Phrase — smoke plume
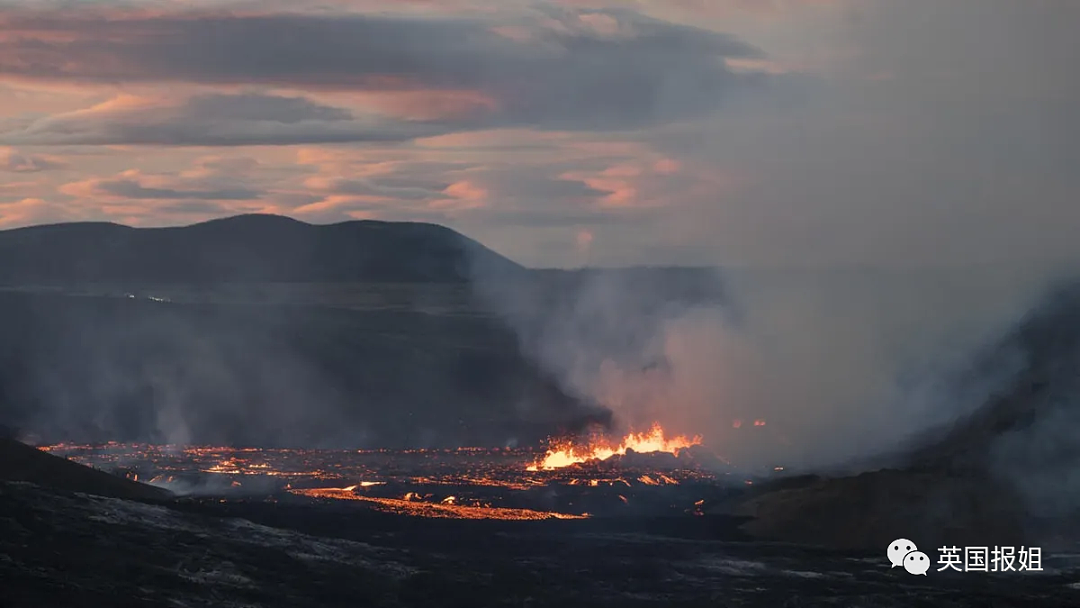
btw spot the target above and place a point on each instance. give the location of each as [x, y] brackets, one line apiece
[841, 366]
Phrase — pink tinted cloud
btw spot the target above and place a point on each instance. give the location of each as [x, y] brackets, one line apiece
[660, 182]
[497, 138]
[14, 161]
[710, 9]
[337, 204]
[30, 211]
[621, 183]
[210, 186]
[196, 118]
[133, 184]
[423, 104]
[418, 69]
[666, 166]
[584, 239]
[534, 176]
[463, 195]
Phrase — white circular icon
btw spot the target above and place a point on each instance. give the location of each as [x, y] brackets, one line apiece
[917, 562]
[898, 549]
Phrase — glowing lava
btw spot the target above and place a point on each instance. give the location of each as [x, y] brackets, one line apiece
[448, 508]
[565, 455]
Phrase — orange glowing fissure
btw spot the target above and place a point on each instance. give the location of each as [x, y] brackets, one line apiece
[564, 455]
[448, 508]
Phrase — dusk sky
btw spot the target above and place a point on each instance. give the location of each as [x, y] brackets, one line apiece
[563, 132]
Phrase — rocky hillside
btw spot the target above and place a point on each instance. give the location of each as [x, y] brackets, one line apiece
[20, 462]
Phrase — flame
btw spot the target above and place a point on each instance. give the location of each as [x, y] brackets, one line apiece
[653, 441]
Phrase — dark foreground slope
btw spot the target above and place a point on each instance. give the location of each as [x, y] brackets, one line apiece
[69, 551]
[20, 462]
[251, 248]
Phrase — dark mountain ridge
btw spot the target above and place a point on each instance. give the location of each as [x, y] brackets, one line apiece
[246, 248]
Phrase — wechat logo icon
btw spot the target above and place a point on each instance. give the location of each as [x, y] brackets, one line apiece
[902, 552]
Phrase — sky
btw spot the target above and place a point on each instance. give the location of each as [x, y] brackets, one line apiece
[561, 133]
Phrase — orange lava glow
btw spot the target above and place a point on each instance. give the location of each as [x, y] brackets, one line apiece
[564, 455]
[412, 504]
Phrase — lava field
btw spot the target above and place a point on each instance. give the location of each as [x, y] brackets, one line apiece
[466, 483]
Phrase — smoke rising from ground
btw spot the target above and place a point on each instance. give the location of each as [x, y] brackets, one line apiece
[842, 366]
[125, 370]
[245, 368]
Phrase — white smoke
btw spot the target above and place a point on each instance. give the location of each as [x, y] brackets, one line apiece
[841, 365]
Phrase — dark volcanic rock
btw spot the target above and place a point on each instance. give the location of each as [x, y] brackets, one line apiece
[702, 457]
[20, 462]
[71, 551]
[662, 461]
[868, 511]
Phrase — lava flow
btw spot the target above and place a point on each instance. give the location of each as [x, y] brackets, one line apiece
[644, 473]
[566, 454]
[415, 505]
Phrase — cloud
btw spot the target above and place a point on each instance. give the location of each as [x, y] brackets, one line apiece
[262, 108]
[957, 148]
[939, 142]
[574, 69]
[126, 188]
[555, 182]
[377, 188]
[210, 187]
[212, 178]
[17, 162]
[27, 211]
[212, 120]
[525, 194]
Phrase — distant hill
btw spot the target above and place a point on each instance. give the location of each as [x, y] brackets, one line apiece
[246, 248]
